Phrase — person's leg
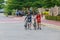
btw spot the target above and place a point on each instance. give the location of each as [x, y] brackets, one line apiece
[26, 25]
[34, 26]
[16, 14]
[40, 26]
[29, 25]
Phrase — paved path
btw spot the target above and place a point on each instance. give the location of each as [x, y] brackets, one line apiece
[16, 31]
[51, 22]
[4, 19]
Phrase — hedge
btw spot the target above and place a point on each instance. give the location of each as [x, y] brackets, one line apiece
[56, 18]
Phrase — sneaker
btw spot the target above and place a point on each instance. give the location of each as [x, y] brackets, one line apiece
[40, 28]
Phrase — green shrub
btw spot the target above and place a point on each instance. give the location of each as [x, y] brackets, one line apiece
[5, 14]
[58, 15]
[56, 18]
[46, 13]
[49, 17]
[7, 10]
[13, 12]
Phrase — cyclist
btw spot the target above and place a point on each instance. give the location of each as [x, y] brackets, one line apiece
[38, 19]
[28, 20]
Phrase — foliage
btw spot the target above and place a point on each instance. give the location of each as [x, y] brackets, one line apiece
[1, 1]
[20, 4]
[1, 4]
[56, 18]
[46, 13]
[58, 15]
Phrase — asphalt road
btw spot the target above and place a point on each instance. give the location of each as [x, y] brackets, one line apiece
[16, 31]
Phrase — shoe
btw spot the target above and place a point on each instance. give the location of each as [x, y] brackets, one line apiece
[40, 28]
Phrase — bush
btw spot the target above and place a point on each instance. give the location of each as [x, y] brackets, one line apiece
[46, 13]
[49, 17]
[58, 15]
[13, 12]
[8, 12]
[56, 18]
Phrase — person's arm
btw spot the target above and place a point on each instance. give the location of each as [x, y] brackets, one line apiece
[25, 17]
[36, 16]
[40, 18]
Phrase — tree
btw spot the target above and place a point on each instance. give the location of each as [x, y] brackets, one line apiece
[1, 4]
[19, 4]
[1, 1]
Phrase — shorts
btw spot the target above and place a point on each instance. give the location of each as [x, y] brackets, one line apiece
[38, 21]
[28, 22]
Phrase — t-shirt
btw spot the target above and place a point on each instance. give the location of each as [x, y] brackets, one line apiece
[38, 18]
[29, 18]
[34, 19]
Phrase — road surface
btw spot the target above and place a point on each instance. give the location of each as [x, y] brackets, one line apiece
[16, 31]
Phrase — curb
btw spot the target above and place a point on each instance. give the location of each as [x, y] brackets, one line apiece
[51, 26]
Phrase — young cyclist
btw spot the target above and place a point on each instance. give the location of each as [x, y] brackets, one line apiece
[34, 22]
[28, 20]
[38, 19]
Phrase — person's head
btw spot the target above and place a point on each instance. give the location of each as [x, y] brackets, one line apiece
[33, 15]
[28, 12]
